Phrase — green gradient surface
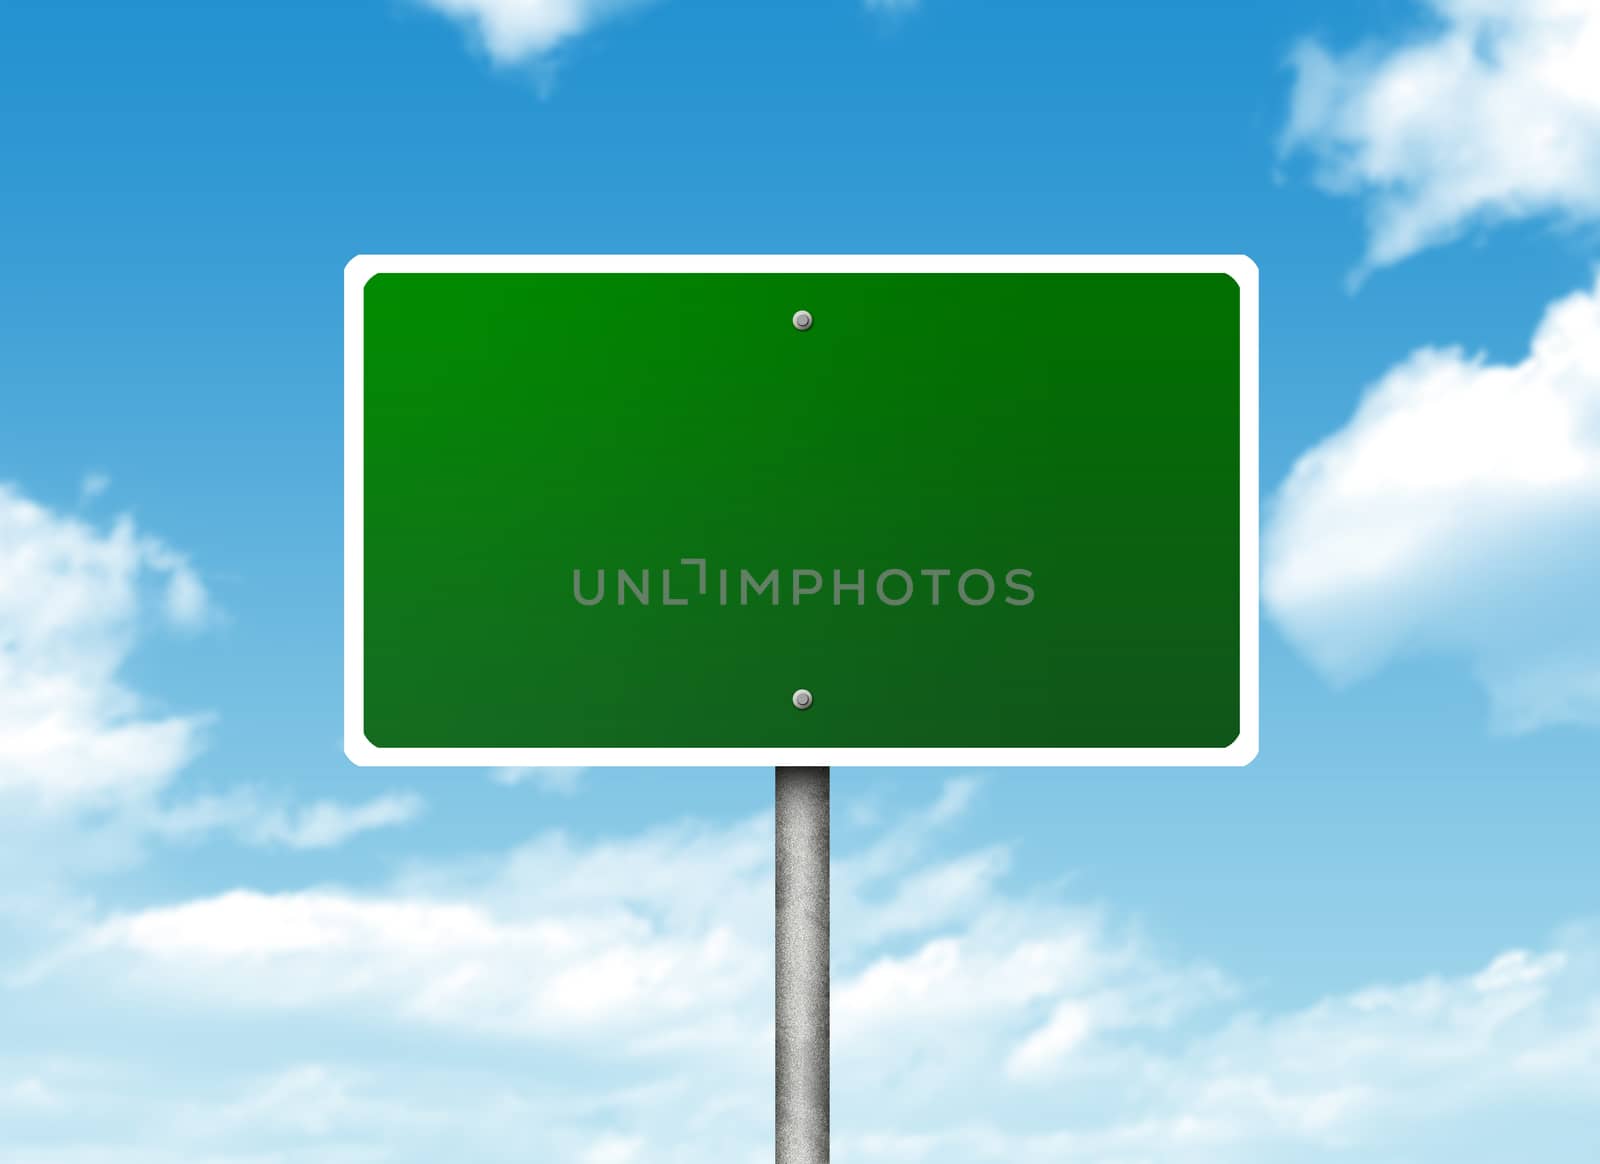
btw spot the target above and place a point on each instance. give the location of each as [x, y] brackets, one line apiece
[1084, 427]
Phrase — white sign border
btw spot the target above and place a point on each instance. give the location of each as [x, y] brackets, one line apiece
[1241, 752]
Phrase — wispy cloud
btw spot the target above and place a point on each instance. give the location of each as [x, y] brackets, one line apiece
[629, 980]
[521, 31]
[249, 817]
[1493, 114]
[1441, 1065]
[90, 772]
[614, 1149]
[1458, 512]
[93, 485]
[562, 781]
[28, 1094]
[325, 824]
[74, 598]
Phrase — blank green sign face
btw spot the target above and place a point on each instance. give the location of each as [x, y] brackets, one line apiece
[994, 510]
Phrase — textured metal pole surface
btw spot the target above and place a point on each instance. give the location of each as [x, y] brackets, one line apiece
[802, 995]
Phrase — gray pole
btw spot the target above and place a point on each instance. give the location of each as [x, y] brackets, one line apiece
[802, 996]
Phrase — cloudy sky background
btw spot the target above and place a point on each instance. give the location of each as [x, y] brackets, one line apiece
[219, 942]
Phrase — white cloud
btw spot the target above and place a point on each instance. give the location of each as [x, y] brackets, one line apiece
[323, 824]
[31, 1094]
[611, 1002]
[73, 599]
[1066, 1030]
[309, 1099]
[648, 942]
[611, 1149]
[1458, 512]
[562, 781]
[1434, 1069]
[1492, 114]
[94, 484]
[89, 767]
[654, 953]
[517, 31]
[904, 842]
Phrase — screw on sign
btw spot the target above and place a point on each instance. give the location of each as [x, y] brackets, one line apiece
[802, 699]
[802, 321]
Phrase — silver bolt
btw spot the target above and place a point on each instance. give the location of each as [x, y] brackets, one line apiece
[802, 321]
[802, 699]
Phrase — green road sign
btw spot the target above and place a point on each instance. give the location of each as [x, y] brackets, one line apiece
[800, 510]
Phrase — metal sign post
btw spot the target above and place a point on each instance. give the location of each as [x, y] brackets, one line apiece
[994, 510]
[803, 1025]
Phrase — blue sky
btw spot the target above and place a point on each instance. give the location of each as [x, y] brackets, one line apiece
[219, 941]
